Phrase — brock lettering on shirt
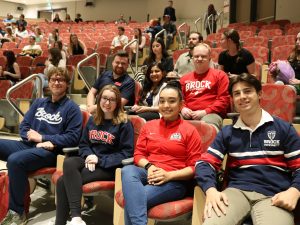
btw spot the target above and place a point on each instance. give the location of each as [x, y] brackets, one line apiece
[100, 135]
[197, 85]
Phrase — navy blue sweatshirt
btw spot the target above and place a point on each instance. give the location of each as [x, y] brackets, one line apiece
[59, 122]
[111, 143]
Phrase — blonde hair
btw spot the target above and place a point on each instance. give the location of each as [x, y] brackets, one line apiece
[119, 116]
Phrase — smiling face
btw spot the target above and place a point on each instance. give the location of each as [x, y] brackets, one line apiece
[156, 74]
[201, 58]
[120, 65]
[108, 103]
[245, 98]
[58, 86]
[169, 104]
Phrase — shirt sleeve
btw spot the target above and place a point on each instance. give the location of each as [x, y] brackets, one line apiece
[127, 91]
[84, 145]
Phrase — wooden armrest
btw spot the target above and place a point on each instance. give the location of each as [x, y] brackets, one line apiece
[198, 206]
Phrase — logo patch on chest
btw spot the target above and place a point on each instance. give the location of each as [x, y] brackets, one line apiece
[271, 142]
[175, 136]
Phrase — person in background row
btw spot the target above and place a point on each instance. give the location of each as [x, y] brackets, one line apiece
[118, 77]
[38, 34]
[120, 40]
[154, 28]
[263, 165]
[98, 157]
[184, 63]
[210, 21]
[294, 60]
[141, 41]
[53, 37]
[76, 46]
[78, 18]
[235, 59]
[59, 45]
[120, 20]
[170, 29]
[21, 32]
[9, 35]
[205, 90]
[32, 49]
[12, 70]
[50, 124]
[56, 18]
[164, 160]
[158, 53]
[21, 21]
[68, 18]
[170, 10]
[155, 80]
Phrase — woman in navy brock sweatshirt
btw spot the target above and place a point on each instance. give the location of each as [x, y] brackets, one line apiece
[105, 142]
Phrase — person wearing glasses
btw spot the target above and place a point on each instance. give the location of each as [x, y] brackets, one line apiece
[106, 140]
[205, 90]
[119, 77]
[50, 124]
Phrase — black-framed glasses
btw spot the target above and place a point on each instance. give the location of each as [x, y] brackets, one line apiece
[105, 99]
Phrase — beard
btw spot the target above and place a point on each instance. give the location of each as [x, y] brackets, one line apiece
[191, 46]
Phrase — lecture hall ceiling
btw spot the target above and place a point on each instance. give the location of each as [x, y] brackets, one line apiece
[33, 2]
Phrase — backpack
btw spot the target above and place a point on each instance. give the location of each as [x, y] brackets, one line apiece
[4, 196]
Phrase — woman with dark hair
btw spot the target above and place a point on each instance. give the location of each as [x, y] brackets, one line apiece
[9, 36]
[76, 47]
[53, 37]
[294, 58]
[141, 44]
[106, 140]
[21, 32]
[158, 53]
[153, 83]
[54, 60]
[211, 17]
[164, 159]
[235, 59]
[12, 70]
[59, 45]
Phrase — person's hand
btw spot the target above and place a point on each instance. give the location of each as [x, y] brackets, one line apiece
[158, 176]
[294, 81]
[46, 145]
[142, 109]
[197, 115]
[92, 109]
[135, 108]
[5, 73]
[34, 136]
[216, 201]
[286, 199]
[90, 162]
[186, 113]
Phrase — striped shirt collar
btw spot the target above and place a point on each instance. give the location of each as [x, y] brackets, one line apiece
[265, 117]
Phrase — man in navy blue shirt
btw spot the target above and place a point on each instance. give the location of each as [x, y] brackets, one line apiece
[118, 77]
[50, 124]
[263, 164]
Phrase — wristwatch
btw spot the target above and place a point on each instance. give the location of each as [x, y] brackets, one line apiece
[147, 166]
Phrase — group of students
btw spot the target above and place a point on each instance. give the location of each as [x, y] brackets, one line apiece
[262, 150]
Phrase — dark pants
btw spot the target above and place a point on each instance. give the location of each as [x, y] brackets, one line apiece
[21, 159]
[69, 186]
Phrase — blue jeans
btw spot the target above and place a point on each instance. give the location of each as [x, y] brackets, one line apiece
[22, 158]
[140, 196]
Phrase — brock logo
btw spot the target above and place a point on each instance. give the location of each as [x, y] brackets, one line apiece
[271, 134]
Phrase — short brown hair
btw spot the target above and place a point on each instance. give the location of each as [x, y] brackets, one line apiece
[247, 78]
[59, 71]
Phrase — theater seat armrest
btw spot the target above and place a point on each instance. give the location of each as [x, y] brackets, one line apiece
[70, 149]
[128, 161]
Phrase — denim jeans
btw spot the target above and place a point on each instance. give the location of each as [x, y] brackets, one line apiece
[21, 159]
[140, 196]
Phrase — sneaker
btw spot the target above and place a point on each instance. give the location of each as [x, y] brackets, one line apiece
[13, 218]
[77, 221]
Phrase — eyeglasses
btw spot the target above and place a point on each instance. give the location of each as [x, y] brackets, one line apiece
[105, 99]
[59, 80]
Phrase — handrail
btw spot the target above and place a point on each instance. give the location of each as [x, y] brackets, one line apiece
[196, 21]
[210, 24]
[266, 18]
[19, 84]
[165, 35]
[221, 16]
[185, 34]
[136, 54]
[97, 68]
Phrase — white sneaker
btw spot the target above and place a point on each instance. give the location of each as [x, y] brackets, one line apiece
[77, 221]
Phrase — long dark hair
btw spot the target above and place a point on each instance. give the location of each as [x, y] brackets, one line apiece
[148, 82]
[211, 10]
[165, 54]
[10, 58]
[55, 56]
[139, 37]
[235, 37]
[295, 54]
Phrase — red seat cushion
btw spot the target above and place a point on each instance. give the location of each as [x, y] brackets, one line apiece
[166, 210]
[43, 171]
